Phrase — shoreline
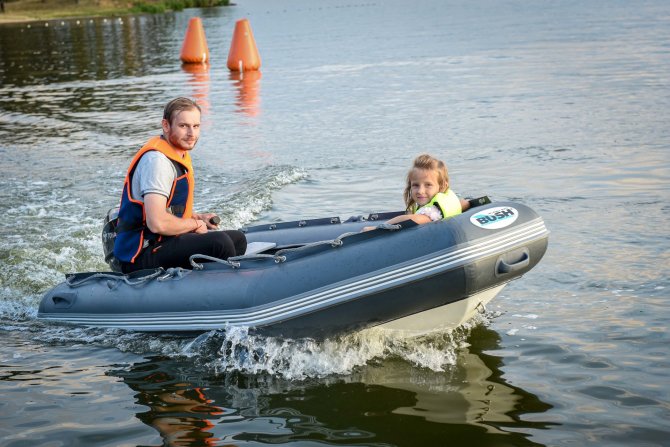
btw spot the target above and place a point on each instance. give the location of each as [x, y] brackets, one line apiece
[16, 19]
[22, 11]
[30, 11]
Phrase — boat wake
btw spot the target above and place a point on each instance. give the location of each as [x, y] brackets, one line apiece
[236, 350]
[68, 237]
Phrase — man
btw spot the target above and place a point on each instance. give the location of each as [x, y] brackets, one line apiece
[157, 226]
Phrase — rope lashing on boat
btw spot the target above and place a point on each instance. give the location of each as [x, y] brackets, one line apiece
[276, 258]
[302, 247]
[337, 242]
[178, 273]
[174, 273]
[233, 264]
[388, 227]
[70, 279]
[279, 257]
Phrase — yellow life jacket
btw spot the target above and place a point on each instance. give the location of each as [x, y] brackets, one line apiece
[447, 202]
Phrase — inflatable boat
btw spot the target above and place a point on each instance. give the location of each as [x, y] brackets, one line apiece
[320, 278]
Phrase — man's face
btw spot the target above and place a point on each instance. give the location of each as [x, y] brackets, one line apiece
[184, 130]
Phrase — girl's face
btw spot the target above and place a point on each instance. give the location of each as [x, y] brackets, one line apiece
[424, 185]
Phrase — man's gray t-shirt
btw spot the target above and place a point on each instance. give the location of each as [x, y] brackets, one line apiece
[154, 173]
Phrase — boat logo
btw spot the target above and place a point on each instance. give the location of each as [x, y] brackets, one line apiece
[494, 218]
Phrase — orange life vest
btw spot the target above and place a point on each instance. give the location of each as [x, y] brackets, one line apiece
[132, 230]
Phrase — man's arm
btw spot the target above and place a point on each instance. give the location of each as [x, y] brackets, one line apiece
[161, 222]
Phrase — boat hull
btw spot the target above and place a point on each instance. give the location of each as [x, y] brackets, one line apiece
[323, 279]
[446, 317]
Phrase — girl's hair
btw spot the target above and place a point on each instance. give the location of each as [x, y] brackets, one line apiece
[179, 105]
[428, 163]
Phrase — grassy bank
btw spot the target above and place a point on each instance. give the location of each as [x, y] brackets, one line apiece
[28, 10]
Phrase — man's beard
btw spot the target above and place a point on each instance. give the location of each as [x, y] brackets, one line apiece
[178, 144]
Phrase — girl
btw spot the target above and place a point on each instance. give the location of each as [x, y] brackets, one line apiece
[427, 194]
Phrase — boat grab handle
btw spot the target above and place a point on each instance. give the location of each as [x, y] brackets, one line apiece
[503, 267]
[64, 300]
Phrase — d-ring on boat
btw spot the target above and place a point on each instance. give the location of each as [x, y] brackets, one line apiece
[320, 278]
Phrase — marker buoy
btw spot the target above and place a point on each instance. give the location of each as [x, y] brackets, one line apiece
[243, 55]
[195, 48]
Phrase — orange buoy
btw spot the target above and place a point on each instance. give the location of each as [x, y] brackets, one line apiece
[243, 55]
[195, 48]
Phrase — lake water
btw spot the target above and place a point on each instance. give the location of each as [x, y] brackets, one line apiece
[562, 105]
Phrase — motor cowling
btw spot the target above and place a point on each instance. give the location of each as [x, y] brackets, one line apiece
[109, 232]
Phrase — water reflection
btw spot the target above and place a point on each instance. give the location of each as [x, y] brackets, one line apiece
[180, 411]
[391, 403]
[83, 49]
[472, 393]
[248, 91]
[199, 82]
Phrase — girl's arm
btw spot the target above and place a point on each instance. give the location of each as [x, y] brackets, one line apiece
[418, 218]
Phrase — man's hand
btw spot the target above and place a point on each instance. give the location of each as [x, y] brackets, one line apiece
[210, 219]
[202, 226]
[161, 222]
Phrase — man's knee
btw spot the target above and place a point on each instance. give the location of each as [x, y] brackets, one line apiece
[239, 241]
[221, 244]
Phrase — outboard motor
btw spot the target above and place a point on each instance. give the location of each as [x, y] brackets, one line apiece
[109, 236]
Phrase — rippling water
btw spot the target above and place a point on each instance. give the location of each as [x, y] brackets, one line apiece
[561, 105]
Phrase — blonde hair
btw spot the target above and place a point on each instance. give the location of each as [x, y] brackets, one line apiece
[429, 163]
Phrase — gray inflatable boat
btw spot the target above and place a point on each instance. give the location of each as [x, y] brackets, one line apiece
[320, 278]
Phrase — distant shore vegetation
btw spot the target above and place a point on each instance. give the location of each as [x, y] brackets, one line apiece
[154, 7]
[26, 10]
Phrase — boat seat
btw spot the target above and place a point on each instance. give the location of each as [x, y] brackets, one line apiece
[258, 247]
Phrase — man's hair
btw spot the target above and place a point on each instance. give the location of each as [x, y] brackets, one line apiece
[179, 105]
